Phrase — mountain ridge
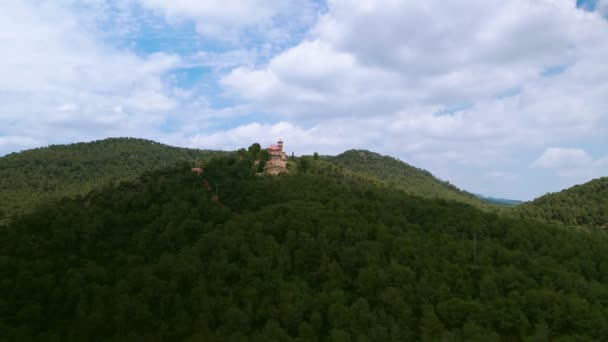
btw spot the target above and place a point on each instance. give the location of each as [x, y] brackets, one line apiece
[31, 177]
[580, 205]
[403, 175]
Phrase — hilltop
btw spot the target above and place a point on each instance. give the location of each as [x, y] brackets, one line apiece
[317, 254]
[35, 176]
[581, 205]
[401, 175]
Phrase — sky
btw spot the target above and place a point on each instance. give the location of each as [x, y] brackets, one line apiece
[502, 98]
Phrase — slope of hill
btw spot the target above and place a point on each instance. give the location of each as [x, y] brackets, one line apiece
[319, 254]
[34, 176]
[401, 175]
[580, 205]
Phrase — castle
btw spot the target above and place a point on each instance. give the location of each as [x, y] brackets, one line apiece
[276, 151]
[277, 163]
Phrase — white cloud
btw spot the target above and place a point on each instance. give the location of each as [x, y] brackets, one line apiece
[226, 12]
[15, 143]
[59, 81]
[602, 7]
[602, 162]
[68, 107]
[298, 139]
[453, 86]
[147, 100]
[430, 53]
[227, 19]
[433, 52]
[559, 158]
[572, 163]
[224, 60]
[502, 176]
[312, 80]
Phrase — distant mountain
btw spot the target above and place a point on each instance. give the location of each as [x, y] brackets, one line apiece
[35, 176]
[580, 205]
[318, 254]
[401, 175]
[499, 201]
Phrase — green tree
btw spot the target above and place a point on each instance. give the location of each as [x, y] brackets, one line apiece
[430, 325]
[263, 155]
[304, 165]
[254, 149]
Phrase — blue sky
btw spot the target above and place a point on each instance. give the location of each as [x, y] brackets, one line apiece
[503, 98]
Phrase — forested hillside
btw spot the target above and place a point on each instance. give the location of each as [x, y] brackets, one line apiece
[316, 255]
[35, 176]
[580, 205]
[403, 176]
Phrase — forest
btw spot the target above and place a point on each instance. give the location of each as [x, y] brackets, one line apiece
[43, 174]
[320, 254]
[399, 174]
[584, 205]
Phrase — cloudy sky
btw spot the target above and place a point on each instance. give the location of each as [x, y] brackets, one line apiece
[504, 98]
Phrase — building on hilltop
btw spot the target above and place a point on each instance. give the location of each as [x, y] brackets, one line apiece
[277, 163]
[276, 151]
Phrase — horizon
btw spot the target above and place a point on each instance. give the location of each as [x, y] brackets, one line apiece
[486, 196]
[504, 99]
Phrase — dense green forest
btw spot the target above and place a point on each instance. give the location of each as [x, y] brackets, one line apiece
[319, 254]
[581, 205]
[398, 174]
[38, 175]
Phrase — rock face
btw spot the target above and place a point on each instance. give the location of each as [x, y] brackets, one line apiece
[275, 166]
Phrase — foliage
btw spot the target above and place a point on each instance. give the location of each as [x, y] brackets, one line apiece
[398, 174]
[304, 164]
[581, 205]
[254, 149]
[38, 175]
[322, 255]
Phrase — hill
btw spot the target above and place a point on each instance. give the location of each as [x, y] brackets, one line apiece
[34, 176]
[580, 205]
[403, 176]
[319, 254]
[499, 201]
